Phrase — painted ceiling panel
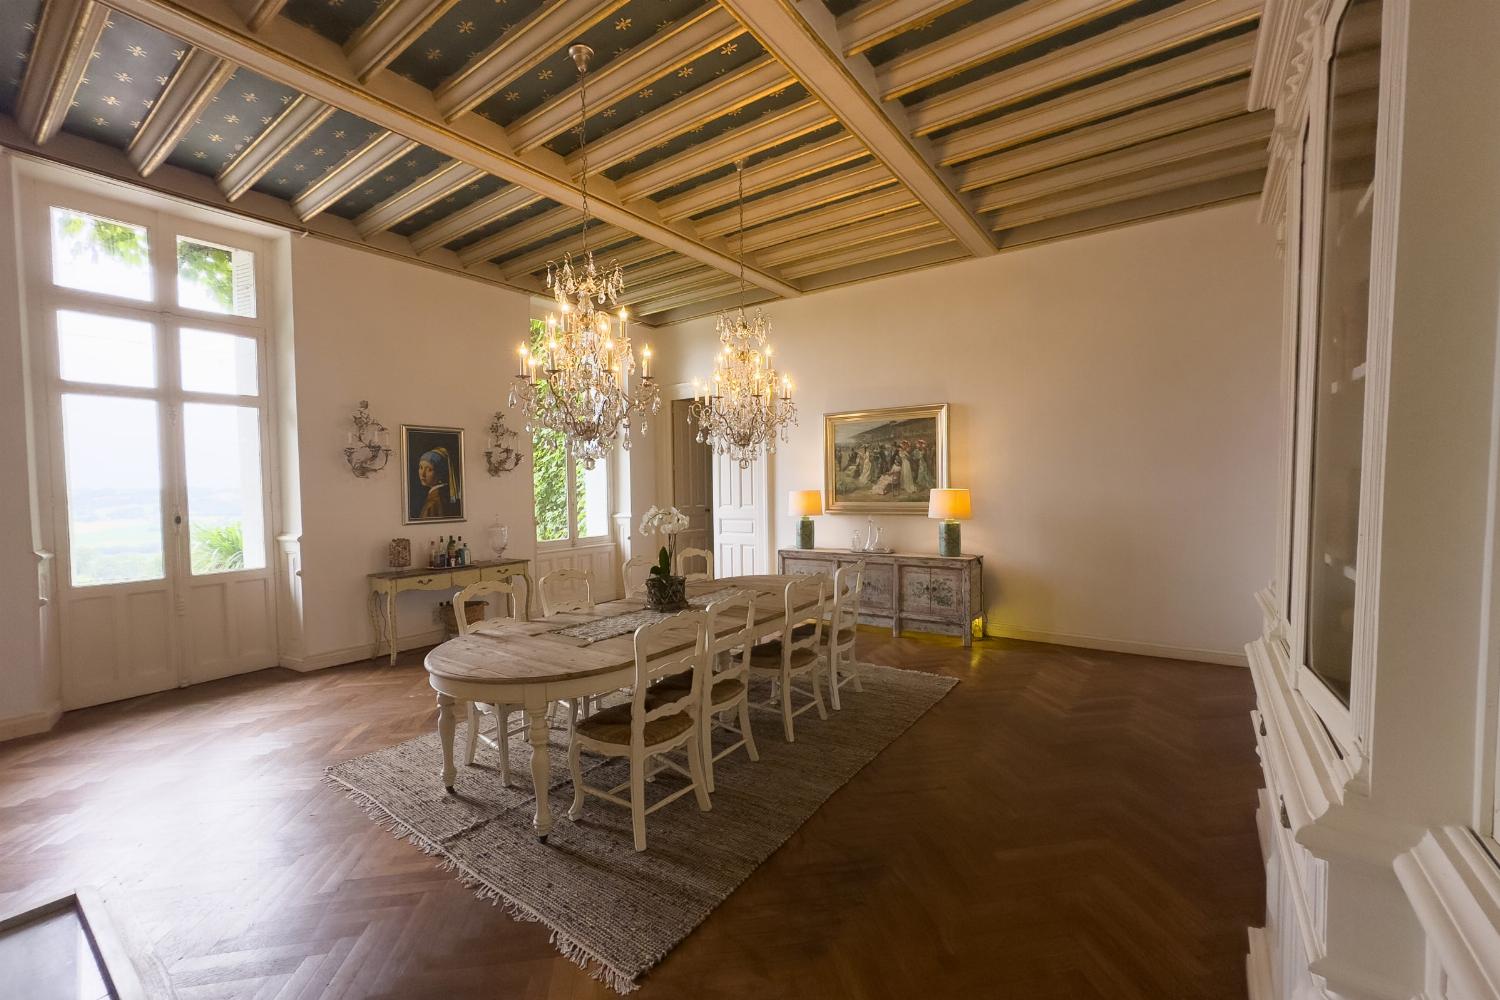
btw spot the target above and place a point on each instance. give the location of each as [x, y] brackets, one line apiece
[938, 28]
[239, 112]
[777, 189]
[818, 135]
[446, 206]
[785, 97]
[131, 66]
[681, 81]
[466, 30]
[337, 20]
[320, 151]
[631, 25]
[394, 177]
[485, 232]
[18, 21]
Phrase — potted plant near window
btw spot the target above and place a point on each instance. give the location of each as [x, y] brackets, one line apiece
[664, 590]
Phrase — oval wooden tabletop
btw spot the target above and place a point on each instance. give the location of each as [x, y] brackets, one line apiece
[515, 652]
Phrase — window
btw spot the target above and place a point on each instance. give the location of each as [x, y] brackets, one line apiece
[572, 503]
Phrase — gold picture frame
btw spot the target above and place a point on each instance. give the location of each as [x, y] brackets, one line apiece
[439, 497]
[884, 461]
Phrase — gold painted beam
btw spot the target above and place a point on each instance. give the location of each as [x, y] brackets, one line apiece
[294, 123]
[198, 78]
[440, 183]
[806, 40]
[599, 236]
[788, 167]
[369, 160]
[834, 187]
[817, 244]
[841, 213]
[65, 42]
[916, 239]
[483, 212]
[259, 13]
[513, 238]
[393, 29]
[877, 21]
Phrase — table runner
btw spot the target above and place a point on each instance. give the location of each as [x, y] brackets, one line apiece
[624, 624]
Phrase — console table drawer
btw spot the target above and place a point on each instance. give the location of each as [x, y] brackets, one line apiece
[438, 579]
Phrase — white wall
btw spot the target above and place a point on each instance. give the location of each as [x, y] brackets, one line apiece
[1113, 411]
[424, 347]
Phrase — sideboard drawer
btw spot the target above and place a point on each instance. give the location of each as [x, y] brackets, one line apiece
[438, 579]
[805, 566]
[464, 577]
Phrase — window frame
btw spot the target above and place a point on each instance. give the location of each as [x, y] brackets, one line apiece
[574, 538]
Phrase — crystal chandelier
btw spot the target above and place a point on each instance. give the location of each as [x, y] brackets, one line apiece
[746, 406]
[585, 390]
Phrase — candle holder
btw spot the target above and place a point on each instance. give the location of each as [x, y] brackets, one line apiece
[367, 451]
[500, 456]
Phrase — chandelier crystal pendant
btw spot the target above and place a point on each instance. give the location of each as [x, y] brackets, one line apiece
[746, 406]
[581, 380]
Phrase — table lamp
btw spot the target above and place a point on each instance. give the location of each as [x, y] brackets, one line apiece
[805, 504]
[949, 507]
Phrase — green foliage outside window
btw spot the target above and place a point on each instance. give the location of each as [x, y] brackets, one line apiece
[218, 548]
[210, 268]
[549, 470]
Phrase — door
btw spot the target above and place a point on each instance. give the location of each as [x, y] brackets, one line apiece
[692, 480]
[155, 367]
[741, 517]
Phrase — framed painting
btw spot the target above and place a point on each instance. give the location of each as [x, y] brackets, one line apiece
[432, 474]
[885, 461]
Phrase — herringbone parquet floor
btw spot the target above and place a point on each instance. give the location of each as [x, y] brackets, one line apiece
[1065, 824]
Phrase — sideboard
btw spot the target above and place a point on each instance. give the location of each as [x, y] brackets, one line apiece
[385, 586]
[926, 593]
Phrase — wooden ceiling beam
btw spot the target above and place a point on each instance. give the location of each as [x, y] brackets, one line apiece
[931, 235]
[301, 59]
[842, 213]
[484, 212]
[1185, 113]
[65, 42]
[879, 267]
[826, 241]
[258, 13]
[1123, 213]
[1233, 135]
[599, 236]
[727, 93]
[997, 35]
[373, 157]
[1210, 65]
[762, 133]
[198, 78]
[295, 122]
[834, 187]
[513, 238]
[544, 33]
[621, 76]
[440, 183]
[800, 162]
[877, 21]
[727, 287]
[703, 277]
[393, 29]
[1121, 46]
[806, 40]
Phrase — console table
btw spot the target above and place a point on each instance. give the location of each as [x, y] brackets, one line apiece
[385, 586]
[928, 593]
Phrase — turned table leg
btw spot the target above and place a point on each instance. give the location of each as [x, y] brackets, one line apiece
[447, 721]
[541, 767]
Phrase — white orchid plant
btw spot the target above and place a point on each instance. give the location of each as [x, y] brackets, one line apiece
[667, 521]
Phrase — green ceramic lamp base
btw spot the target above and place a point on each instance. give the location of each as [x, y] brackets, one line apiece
[805, 533]
[949, 543]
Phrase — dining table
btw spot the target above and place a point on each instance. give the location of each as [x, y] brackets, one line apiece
[535, 663]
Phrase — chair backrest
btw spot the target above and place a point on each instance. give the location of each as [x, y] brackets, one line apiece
[515, 602]
[806, 600]
[652, 665]
[635, 571]
[731, 624]
[567, 590]
[848, 584]
[687, 555]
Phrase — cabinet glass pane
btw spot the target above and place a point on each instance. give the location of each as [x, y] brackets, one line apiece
[100, 255]
[1339, 365]
[226, 522]
[218, 362]
[112, 461]
[105, 349]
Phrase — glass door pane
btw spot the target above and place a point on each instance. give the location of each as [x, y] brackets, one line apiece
[225, 502]
[107, 350]
[1339, 365]
[220, 363]
[112, 462]
[549, 480]
[591, 499]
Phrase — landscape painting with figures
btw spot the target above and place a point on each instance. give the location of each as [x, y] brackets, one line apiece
[885, 461]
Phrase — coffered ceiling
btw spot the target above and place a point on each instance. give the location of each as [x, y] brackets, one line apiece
[878, 135]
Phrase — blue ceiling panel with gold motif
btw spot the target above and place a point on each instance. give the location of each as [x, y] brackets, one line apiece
[448, 204]
[18, 21]
[634, 24]
[485, 232]
[336, 20]
[131, 67]
[823, 134]
[240, 111]
[465, 30]
[322, 149]
[391, 179]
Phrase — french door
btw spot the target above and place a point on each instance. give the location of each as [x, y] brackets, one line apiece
[157, 419]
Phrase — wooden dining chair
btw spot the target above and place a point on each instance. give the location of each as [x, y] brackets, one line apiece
[686, 557]
[726, 685]
[567, 590]
[635, 572]
[499, 738]
[839, 631]
[657, 720]
[798, 653]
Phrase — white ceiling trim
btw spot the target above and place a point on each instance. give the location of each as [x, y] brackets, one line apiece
[65, 41]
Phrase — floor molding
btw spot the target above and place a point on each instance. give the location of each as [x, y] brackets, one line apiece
[1229, 659]
[364, 651]
[30, 725]
[1258, 978]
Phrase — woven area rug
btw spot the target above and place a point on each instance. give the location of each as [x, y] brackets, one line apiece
[613, 911]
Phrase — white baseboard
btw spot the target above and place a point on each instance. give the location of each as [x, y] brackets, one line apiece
[30, 724]
[1258, 977]
[364, 651]
[1225, 657]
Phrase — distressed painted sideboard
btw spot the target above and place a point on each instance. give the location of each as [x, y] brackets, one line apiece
[925, 593]
[384, 587]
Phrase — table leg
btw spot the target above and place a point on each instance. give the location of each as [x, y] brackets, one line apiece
[390, 621]
[447, 720]
[526, 575]
[541, 767]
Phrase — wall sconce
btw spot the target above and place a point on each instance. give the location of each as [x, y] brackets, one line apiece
[366, 447]
[500, 456]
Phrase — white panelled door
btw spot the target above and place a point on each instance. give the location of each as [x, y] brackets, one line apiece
[742, 518]
[155, 365]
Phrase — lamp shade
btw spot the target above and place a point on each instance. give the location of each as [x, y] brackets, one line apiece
[948, 505]
[805, 503]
